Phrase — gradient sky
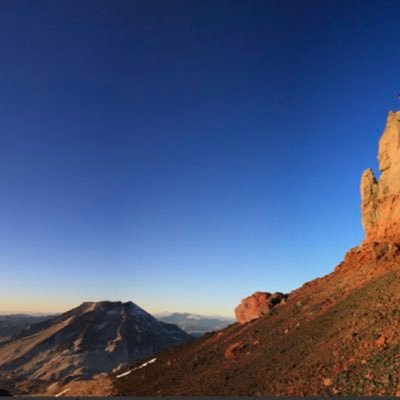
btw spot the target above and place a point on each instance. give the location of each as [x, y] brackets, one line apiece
[184, 154]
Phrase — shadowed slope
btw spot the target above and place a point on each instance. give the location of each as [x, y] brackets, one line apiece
[89, 339]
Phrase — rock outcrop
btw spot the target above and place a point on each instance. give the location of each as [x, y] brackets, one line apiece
[380, 199]
[257, 305]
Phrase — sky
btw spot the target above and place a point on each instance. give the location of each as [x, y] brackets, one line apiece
[184, 154]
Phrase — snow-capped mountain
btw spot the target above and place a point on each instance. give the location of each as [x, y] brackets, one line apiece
[194, 324]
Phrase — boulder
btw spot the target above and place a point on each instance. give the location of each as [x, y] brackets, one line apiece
[233, 350]
[257, 305]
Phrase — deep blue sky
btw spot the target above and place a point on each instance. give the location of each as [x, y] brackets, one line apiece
[183, 154]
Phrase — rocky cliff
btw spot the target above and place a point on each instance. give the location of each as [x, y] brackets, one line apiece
[380, 199]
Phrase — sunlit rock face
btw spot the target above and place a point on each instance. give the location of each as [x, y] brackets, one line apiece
[257, 305]
[380, 199]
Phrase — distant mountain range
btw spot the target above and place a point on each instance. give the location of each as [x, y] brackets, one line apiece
[194, 324]
[12, 324]
[90, 339]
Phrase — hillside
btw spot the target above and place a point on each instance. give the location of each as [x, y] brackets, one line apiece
[90, 339]
[336, 335]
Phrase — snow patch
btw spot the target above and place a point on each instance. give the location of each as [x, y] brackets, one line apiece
[134, 369]
[61, 393]
[124, 374]
[196, 317]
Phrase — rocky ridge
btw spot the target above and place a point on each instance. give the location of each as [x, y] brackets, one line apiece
[380, 199]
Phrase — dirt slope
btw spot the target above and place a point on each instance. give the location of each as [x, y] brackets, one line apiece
[335, 335]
